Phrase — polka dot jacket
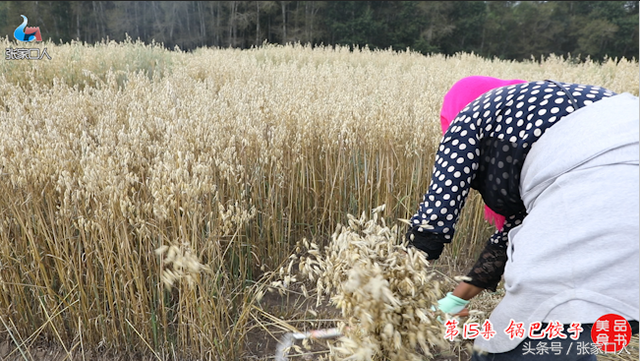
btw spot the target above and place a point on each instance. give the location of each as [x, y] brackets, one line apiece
[484, 149]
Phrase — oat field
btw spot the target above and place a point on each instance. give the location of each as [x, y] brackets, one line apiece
[147, 196]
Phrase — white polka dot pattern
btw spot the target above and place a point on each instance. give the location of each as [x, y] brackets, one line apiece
[485, 148]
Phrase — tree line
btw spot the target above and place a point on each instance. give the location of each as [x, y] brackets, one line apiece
[513, 30]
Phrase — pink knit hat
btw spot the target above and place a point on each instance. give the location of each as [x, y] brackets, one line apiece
[463, 92]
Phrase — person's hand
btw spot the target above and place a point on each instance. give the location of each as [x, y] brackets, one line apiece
[453, 305]
[426, 242]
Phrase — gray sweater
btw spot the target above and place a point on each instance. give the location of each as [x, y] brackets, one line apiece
[575, 257]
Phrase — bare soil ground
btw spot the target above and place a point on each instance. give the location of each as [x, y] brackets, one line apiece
[45, 351]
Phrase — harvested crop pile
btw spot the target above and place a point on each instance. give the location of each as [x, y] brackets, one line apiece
[384, 289]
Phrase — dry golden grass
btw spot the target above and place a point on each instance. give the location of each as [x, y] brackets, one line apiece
[380, 294]
[111, 152]
[384, 290]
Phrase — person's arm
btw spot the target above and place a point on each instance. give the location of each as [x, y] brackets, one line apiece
[456, 162]
[466, 291]
[487, 272]
[456, 302]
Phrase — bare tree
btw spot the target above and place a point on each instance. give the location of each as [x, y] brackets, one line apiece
[232, 23]
[284, 21]
[257, 23]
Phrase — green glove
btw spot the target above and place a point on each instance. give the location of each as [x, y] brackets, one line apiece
[452, 304]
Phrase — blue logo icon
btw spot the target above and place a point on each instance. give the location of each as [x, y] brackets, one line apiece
[27, 34]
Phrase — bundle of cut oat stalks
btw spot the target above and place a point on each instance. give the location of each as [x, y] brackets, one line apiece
[385, 290]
